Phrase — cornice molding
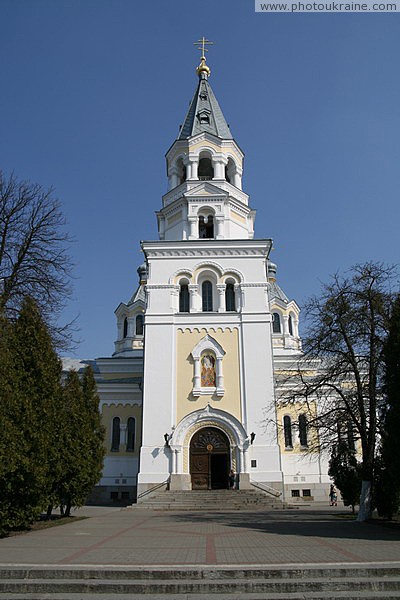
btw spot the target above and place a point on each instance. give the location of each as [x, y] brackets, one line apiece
[160, 286]
[119, 402]
[198, 328]
[214, 252]
[253, 284]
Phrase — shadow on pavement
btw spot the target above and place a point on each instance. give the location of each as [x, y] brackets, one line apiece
[296, 524]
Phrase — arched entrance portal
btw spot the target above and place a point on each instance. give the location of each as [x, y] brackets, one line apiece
[209, 459]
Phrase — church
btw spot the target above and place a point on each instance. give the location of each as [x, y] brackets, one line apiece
[192, 390]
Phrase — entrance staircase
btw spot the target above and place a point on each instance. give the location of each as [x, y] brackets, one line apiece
[210, 500]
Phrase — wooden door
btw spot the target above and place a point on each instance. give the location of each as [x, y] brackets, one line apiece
[200, 471]
[209, 459]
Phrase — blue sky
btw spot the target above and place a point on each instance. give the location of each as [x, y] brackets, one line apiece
[93, 92]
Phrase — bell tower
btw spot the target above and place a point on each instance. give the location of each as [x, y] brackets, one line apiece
[204, 168]
[208, 370]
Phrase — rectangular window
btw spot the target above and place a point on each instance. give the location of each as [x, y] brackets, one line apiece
[306, 493]
[114, 496]
[253, 463]
[295, 493]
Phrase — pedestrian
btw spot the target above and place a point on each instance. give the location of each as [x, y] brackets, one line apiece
[333, 495]
[231, 479]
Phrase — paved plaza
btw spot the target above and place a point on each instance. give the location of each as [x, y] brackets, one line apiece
[113, 536]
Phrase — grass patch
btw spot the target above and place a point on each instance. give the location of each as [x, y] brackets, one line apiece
[44, 523]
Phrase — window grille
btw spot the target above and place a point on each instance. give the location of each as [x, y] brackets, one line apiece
[184, 298]
[230, 297]
[206, 296]
[130, 442]
[116, 434]
[276, 323]
[287, 429]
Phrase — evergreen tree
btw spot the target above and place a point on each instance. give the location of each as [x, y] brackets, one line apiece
[95, 432]
[83, 440]
[387, 491]
[30, 394]
[346, 474]
[12, 443]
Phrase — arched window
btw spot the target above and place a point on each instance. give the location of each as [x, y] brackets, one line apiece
[303, 431]
[290, 325]
[230, 297]
[208, 374]
[139, 325]
[130, 441]
[125, 327]
[206, 227]
[230, 170]
[184, 303]
[116, 434]
[207, 296]
[350, 437]
[181, 170]
[205, 169]
[345, 434]
[204, 118]
[287, 430]
[276, 323]
[340, 431]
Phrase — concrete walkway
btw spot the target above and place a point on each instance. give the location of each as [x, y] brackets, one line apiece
[113, 536]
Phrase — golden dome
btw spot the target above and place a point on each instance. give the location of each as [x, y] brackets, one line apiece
[203, 68]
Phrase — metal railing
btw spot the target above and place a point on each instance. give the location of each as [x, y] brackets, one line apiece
[266, 488]
[153, 489]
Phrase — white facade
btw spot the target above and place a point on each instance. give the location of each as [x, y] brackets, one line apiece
[215, 260]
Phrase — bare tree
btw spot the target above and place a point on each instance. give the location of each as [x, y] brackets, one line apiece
[34, 259]
[342, 368]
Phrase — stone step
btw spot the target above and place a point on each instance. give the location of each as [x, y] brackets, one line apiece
[209, 507]
[217, 501]
[205, 586]
[76, 572]
[208, 499]
[363, 595]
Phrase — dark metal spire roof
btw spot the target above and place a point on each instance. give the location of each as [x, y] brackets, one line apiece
[204, 114]
[276, 293]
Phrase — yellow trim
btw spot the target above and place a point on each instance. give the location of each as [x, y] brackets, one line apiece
[237, 217]
[230, 401]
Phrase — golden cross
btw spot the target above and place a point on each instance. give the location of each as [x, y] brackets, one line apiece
[203, 42]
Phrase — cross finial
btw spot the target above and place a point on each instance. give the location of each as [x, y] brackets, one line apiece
[203, 69]
[201, 45]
